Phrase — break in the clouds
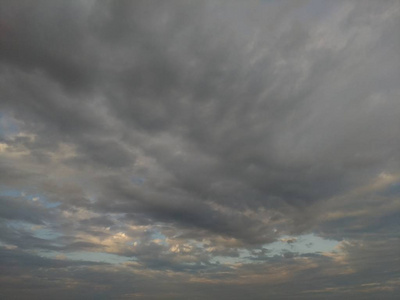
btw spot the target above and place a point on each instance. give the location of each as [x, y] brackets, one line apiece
[199, 149]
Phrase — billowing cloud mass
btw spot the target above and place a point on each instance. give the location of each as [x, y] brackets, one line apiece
[199, 149]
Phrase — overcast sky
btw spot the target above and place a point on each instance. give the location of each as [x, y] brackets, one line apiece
[199, 149]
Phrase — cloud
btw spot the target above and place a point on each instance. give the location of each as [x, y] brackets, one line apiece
[189, 138]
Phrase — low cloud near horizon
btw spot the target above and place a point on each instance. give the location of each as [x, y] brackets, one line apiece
[199, 149]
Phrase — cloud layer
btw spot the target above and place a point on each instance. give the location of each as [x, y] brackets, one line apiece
[191, 150]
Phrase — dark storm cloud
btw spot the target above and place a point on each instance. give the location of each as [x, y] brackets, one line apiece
[15, 208]
[46, 35]
[179, 133]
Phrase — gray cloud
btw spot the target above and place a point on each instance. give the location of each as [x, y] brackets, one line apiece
[175, 135]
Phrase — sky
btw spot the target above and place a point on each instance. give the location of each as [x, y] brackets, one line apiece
[199, 149]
